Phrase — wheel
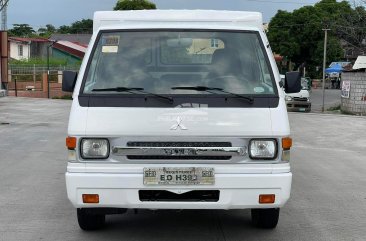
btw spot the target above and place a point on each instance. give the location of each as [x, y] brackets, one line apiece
[89, 221]
[265, 218]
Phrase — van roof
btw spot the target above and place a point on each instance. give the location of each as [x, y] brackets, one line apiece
[236, 18]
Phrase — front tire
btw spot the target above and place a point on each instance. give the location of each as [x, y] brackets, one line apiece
[265, 218]
[89, 221]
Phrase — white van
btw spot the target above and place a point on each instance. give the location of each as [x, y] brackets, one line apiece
[178, 110]
[298, 101]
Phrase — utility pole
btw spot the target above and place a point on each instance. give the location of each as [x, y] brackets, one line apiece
[324, 62]
[4, 14]
[48, 67]
[4, 46]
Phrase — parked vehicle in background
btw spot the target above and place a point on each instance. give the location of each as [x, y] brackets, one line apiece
[299, 102]
[178, 109]
[308, 84]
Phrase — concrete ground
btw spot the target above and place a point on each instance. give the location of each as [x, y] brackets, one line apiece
[332, 98]
[328, 195]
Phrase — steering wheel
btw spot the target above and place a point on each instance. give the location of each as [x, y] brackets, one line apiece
[224, 80]
[136, 77]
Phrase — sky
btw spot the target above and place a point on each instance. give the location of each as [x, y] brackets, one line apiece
[38, 13]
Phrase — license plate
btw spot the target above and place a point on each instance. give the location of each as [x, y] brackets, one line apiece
[302, 109]
[179, 176]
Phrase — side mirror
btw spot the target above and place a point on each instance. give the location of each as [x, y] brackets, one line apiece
[293, 82]
[281, 83]
[69, 80]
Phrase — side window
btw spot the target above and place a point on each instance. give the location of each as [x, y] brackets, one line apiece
[266, 75]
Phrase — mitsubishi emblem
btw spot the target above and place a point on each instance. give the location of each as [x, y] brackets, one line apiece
[178, 125]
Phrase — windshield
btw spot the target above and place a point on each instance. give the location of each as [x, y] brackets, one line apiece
[158, 61]
[305, 83]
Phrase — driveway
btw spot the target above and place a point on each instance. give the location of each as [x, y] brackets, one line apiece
[332, 99]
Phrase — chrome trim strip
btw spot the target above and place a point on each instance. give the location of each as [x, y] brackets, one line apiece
[179, 151]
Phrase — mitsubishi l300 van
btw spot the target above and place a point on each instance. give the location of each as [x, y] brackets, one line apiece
[299, 101]
[178, 110]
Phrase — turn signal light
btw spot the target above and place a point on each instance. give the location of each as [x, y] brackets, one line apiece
[90, 198]
[267, 198]
[71, 143]
[286, 143]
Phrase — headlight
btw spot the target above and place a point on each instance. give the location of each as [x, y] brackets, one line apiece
[288, 98]
[263, 149]
[94, 148]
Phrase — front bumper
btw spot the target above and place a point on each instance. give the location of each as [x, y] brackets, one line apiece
[237, 191]
[299, 106]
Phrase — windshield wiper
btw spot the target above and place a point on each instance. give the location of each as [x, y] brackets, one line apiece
[117, 89]
[210, 90]
[130, 90]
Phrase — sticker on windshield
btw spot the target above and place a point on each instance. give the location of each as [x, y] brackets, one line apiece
[110, 49]
[258, 89]
[112, 40]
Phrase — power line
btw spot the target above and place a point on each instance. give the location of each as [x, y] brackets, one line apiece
[287, 2]
[3, 4]
[293, 2]
[317, 23]
[4, 14]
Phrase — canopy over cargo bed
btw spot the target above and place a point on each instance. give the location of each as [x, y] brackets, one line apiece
[113, 18]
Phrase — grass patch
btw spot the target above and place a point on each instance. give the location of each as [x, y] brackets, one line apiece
[334, 108]
[39, 61]
[64, 97]
[337, 109]
[344, 112]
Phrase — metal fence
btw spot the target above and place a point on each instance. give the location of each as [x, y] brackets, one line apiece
[38, 69]
[36, 77]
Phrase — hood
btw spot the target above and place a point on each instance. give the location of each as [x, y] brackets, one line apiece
[301, 94]
[178, 122]
[199, 122]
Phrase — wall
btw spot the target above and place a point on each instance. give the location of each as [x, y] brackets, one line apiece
[356, 103]
[14, 51]
[40, 92]
[71, 60]
[39, 50]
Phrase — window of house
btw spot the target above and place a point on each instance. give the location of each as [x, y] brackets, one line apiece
[214, 43]
[20, 50]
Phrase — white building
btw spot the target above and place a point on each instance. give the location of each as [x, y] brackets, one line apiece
[26, 48]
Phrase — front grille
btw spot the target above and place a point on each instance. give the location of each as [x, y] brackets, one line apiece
[301, 106]
[166, 196]
[179, 144]
[300, 99]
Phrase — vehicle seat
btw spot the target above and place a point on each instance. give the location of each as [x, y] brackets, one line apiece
[225, 69]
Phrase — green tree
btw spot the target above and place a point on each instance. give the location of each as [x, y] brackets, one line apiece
[50, 28]
[299, 35]
[82, 26]
[78, 27]
[64, 29]
[21, 30]
[47, 31]
[134, 5]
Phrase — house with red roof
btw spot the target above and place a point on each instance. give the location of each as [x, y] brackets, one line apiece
[71, 47]
[72, 52]
[26, 48]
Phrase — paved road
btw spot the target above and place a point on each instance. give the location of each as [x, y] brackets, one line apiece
[328, 196]
[332, 99]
